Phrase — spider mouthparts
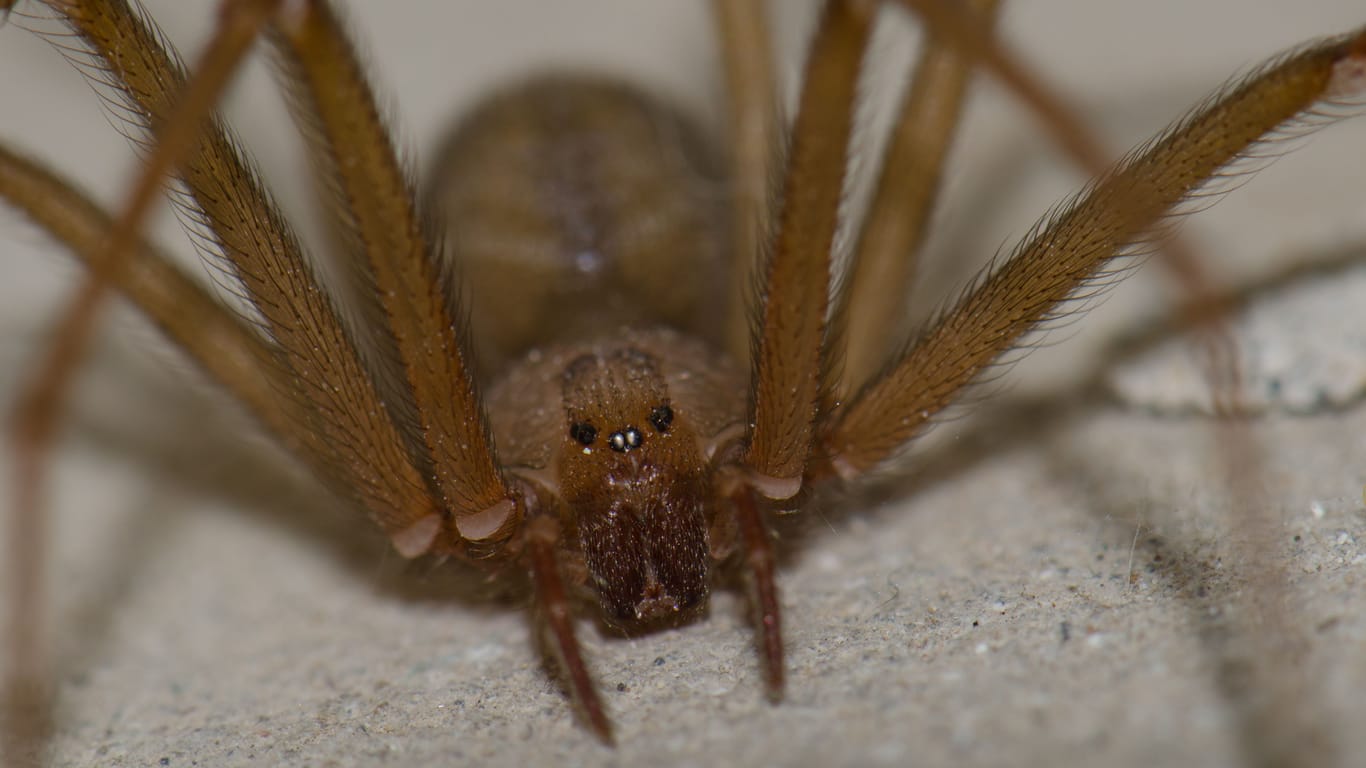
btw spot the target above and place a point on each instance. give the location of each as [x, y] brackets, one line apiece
[656, 604]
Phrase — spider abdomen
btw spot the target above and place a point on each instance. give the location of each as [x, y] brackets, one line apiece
[575, 206]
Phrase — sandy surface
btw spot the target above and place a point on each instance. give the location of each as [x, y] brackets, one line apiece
[1060, 581]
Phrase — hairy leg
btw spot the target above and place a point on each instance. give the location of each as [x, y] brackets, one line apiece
[1072, 248]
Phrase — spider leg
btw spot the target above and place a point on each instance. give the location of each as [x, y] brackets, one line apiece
[40, 402]
[873, 298]
[338, 421]
[242, 221]
[752, 94]
[218, 340]
[348, 430]
[971, 34]
[1073, 247]
[400, 261]
[787, 368]
[950, 21]
[552, 598]
[334, 414]
[884, 259]
[762, 564]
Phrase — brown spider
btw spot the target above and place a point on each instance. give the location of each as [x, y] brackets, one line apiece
[647, 413]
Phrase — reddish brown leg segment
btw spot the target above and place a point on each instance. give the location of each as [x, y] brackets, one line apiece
[553, 599]
[759, 557]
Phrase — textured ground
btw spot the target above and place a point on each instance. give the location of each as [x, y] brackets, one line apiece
[1061, 581]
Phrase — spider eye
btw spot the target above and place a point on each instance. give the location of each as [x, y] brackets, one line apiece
[583, 432]
[661, 417]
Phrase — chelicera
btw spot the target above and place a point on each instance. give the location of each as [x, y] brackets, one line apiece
[611, 421]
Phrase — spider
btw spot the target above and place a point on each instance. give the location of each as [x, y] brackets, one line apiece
[665, 417]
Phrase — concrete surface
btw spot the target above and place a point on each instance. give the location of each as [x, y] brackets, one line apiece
[1059, 581]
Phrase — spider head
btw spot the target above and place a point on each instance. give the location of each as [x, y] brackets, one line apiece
[634, 482]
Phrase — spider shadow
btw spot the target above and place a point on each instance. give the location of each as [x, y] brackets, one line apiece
[1327, 262]
[1227, 594]
[993, 429]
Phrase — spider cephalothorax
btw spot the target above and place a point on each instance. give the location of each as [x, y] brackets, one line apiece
[633, 481]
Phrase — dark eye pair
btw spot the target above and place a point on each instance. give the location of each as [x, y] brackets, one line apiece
[661, 417]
